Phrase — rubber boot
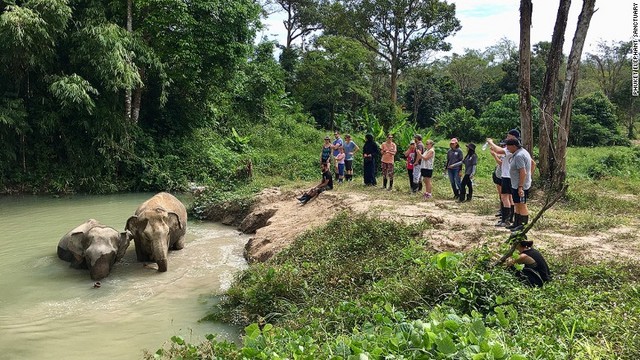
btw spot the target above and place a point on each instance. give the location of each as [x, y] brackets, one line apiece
[513, 211]
[507, 215]
[516, 222]
[524, 220]
[390, 184]
[384, 183]
[469, 196]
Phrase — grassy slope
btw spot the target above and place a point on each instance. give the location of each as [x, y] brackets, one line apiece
[363, 286]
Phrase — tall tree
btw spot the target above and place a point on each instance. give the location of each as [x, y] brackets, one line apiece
[399, 31]
[547, 103]
[609, 61]
[302, 18]
[524, 82]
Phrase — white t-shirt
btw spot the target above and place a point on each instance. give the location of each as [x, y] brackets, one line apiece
[428, 164]
[506, 166]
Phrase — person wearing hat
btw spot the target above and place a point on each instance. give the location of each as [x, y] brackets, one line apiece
[325, 154]
[453, 167]
[536, 271]
[470, 161]
[508, 208]
[520, 171]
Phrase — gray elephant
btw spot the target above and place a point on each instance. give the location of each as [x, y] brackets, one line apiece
[95, 247]
[159, 225]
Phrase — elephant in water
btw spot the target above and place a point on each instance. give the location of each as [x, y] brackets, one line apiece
[94, 246]
[159, 225]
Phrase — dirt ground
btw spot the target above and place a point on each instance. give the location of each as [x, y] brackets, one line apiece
[455, 227]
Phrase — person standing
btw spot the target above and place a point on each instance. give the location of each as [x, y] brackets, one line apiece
[508, 209]
[454, 156]
[417, 165]
[427, 169]
[496, 176]
[470, 161]
[340, 162]
[325, 154]
[337, 143]
[520, 170]
[410, 155]
[370, 151]
[388, 150]
[350, 148]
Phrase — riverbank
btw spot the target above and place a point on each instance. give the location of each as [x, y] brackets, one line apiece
[279, 219]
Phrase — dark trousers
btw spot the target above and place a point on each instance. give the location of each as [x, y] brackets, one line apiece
[369, 171]
[466, 182]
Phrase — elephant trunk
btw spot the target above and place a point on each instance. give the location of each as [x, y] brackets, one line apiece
[160, 254]
[101, 268]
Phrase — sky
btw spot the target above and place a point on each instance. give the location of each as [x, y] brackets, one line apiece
[485, 22]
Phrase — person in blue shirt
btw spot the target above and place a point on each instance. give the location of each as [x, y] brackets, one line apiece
[350, 148]
[335, 146]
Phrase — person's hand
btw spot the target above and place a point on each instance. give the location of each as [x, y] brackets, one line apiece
[520, 191]
[490, 141]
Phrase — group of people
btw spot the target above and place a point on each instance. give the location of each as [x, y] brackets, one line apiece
[514, 168]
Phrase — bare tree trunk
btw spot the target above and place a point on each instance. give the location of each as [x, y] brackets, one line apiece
[137, 99]
[547, 128]
[524, 81]
[573, 67]
[127, 95]
[394, 82]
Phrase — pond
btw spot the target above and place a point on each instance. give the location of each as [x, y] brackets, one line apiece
[49, 310]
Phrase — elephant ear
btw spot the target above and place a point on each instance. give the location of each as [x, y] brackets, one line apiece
[174, 219]
[124, 239]
[132, 223]
[77, 244]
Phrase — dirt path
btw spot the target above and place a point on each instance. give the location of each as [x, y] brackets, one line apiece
[456, 228]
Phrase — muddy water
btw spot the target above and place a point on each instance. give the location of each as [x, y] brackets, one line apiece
[51, 311]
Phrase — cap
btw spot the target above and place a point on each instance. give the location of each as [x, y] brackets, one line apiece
[412, 142]
[514, 132]
[471, 146]
[327, 138]
[503, 142]
[417, 136]
[453, 141]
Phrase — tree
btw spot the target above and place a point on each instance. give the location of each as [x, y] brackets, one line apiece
[333, 78]
[552, 162]
[609, 62]
[428, 93]
[524, 83]
[504, 114]
[399, 31]
[302, 18]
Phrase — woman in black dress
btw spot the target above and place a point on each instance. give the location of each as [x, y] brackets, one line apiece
[370, 151]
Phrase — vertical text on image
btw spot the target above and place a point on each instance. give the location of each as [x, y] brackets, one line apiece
[635, 61]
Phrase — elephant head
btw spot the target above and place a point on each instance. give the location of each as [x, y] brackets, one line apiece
[152, 232]
[95, 247]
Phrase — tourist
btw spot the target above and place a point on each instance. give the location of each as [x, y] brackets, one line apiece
[350, 148]
[337, 143]
[536, 271]
[470, 162]
[410, 155]
[520, 170]
[508, 208]
[388, 150]
[325, 184]
[427, 169]
[325, 154]
[454, 156]
[370, 151]
[340, 162]
[417, 165]
[496, 176]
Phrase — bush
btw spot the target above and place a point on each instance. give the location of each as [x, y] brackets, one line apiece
[460, 123]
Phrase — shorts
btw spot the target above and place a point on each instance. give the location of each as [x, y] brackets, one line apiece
[428, 173]
[506, 186]
[341, 169]
[517, 199]
[496, 180]
[348, 165]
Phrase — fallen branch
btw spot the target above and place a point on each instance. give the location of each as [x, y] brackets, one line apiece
[517, 236]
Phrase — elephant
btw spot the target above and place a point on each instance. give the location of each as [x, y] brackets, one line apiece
[94, 246]
[158, 225]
